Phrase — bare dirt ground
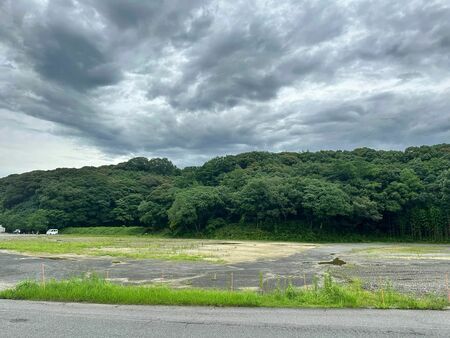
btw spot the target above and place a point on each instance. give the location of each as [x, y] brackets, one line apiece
[248, 251]
[416, 268]
[149, 247]
[412, 268]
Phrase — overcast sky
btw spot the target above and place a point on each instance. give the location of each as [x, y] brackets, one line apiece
[91, 82]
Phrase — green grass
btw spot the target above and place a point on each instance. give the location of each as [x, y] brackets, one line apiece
[289, 231]
[134, 247]
[330, 295]
[104, 231]
[405, 249]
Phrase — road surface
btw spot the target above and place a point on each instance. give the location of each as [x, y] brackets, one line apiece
[43, 319]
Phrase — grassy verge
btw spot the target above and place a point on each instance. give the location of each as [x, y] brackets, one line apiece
[289, 232]
[330, 295]
[405, 250]
[104, 231]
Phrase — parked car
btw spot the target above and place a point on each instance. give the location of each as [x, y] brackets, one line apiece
[52, 231]
[16, 232]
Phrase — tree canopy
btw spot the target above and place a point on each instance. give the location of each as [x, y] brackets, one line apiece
[397, 193]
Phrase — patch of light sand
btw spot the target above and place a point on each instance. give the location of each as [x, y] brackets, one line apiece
[247, 251]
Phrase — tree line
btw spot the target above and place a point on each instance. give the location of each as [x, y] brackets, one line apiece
[400, 194]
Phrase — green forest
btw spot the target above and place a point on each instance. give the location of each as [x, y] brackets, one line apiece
[375, 193]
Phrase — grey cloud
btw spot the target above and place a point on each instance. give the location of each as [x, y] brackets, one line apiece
[58, 46]
[340, 114]
[156, 24]
[412, 34]
[71, 59]
[66, 108]
[393, 120]
[160, 17]
[257, 57]
[192, 79]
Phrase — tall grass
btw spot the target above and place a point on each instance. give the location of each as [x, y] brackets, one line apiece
[329, 295]
[104, 231]
[289, 231]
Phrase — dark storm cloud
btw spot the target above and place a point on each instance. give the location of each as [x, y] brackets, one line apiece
[257, 56]
[190, 79]
[64, 56]
[163, 19]
[58, 47]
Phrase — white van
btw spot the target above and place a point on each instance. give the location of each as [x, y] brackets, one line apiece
[52, 231]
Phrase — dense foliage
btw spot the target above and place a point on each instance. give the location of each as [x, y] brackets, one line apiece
[404, 194]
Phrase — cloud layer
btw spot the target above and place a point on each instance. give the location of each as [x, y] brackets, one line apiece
[193, 79]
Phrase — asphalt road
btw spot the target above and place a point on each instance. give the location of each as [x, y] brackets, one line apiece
[43, 319]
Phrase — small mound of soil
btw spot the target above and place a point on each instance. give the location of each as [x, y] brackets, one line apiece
[336, 261]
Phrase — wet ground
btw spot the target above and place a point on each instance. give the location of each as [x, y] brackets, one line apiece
[375, 264]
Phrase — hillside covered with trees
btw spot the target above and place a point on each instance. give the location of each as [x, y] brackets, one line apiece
[396, 194]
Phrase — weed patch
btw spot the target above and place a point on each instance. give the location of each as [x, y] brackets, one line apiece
[328, 295]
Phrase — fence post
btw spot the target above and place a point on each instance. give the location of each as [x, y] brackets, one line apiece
[446, 284]
[43, 274]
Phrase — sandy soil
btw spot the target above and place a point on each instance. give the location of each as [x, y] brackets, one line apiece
[246, 251]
